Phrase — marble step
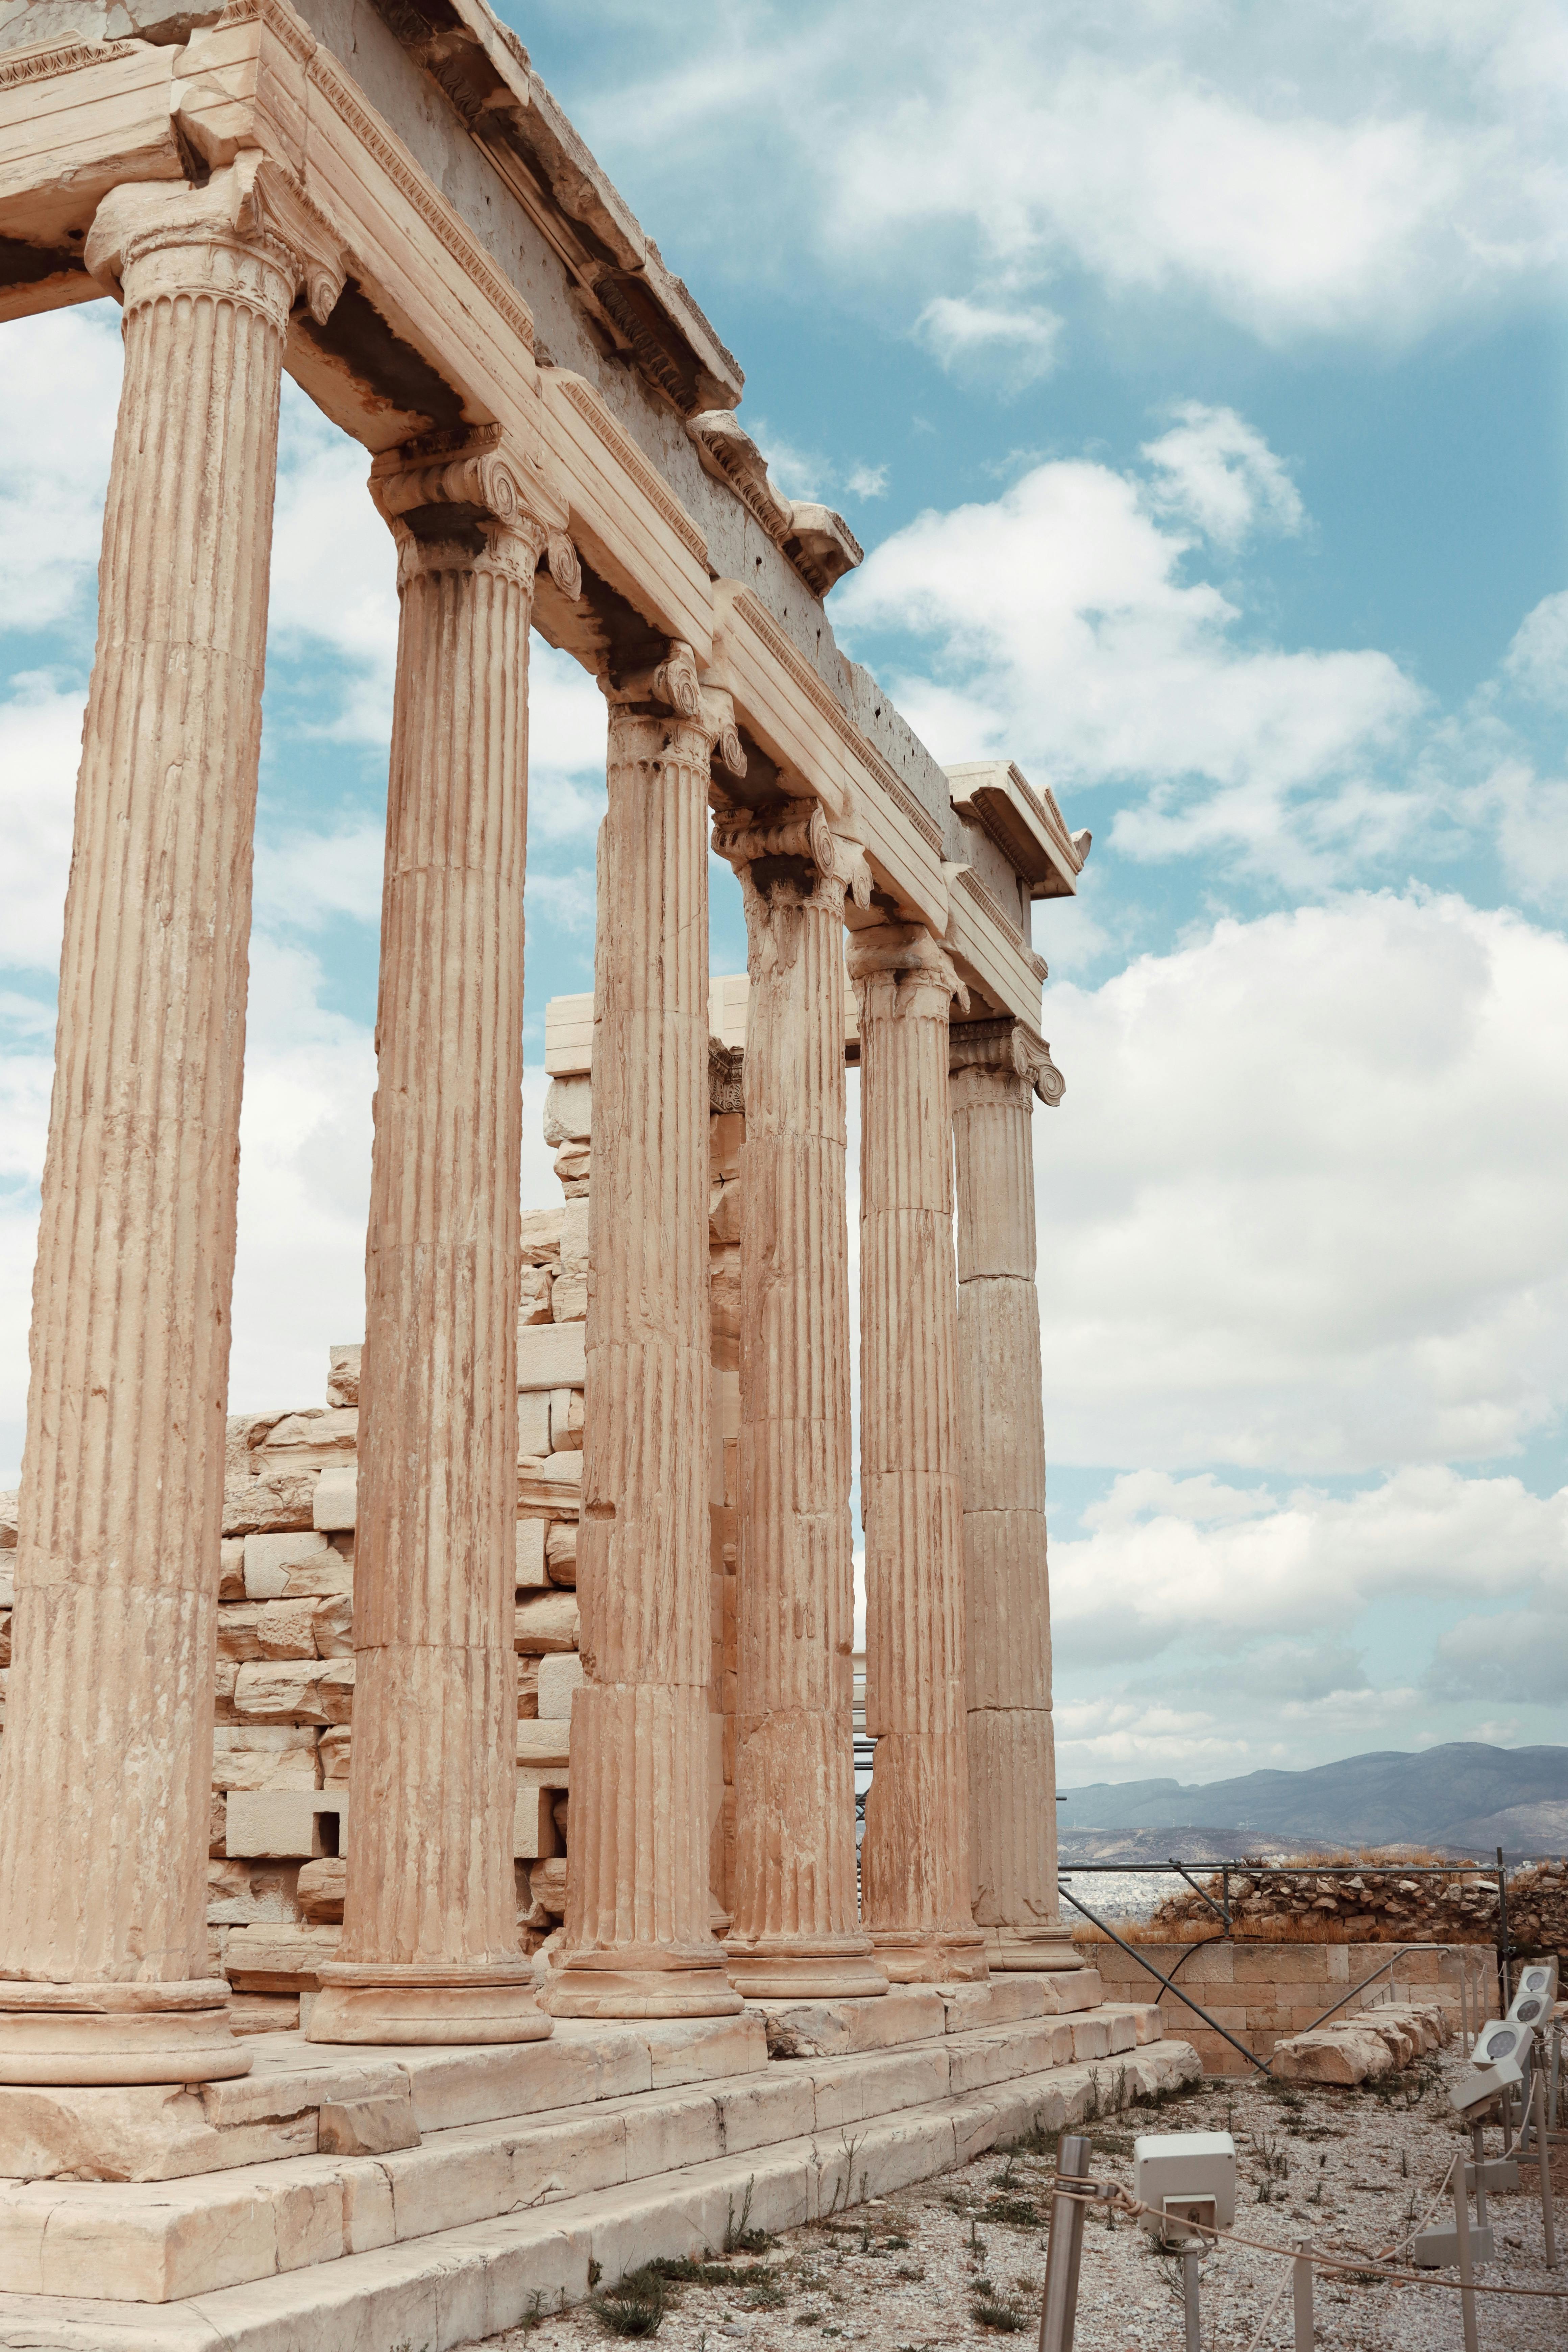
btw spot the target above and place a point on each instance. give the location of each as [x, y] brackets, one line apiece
[166, 2241]
[458, 2284]
[166, 2133]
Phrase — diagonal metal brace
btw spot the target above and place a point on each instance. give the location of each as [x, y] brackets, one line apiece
[1148, 1966]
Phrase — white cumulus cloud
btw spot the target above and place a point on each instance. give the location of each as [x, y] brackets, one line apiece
[1062, 622]
[1302, 1206]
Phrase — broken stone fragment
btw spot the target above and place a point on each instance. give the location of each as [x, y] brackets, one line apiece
[321, 1888]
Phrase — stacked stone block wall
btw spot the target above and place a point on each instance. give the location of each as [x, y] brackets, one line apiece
[1262, 1992]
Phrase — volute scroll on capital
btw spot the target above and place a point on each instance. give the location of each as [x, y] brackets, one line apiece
[253, 208]
[675, 682]
[795, 829]
[1008, 1046]
[469, 487]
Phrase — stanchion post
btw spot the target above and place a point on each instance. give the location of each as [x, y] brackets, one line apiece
[1301, 2295]
[1059, 2311]
[1479, 2143]
[1190, 2299]
[1462, 2232]
[1543, 2158]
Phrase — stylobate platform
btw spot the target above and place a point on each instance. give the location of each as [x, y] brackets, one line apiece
[503, 2174]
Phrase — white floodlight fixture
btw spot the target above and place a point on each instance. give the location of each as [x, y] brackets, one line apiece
[1188, 2179]
[1531, 2003]
[1496, 2064]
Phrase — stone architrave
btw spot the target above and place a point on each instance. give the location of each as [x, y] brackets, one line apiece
[107, 1762]
[430, 1950]
[795, 1933]
[638, 1940]
[998, 1067]
[914, 1864]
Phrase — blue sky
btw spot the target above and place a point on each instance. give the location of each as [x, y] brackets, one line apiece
[1196, 379]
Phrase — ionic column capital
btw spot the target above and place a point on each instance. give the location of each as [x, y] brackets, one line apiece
[1007, 1049]
[909, 960]
[673, 683]
[793, 839]
[473, 504]
[250, 234]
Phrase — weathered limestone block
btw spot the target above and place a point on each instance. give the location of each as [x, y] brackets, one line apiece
[315, 1690]
[344, 1375]
[429, 1946]
[548, 1622]
[231, 1568]
[560, 1678]
[533, 1296]
[331, 1626]
[531, 1570]
[282, 1499]
[286, 1629]
[795, 1932]
[915, 1862]
[240, 1894]
[103, 1943]
[561, 1551]
[317, 1439]
[251, 1756]
[638, 1939]
[335, 1503]
[321, 1889]
[538, 1236]
[293, 1567]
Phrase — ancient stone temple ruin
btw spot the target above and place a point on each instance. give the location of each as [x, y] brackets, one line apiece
[356, 1985]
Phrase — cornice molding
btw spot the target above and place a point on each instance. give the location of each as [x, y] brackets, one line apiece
[444, 223]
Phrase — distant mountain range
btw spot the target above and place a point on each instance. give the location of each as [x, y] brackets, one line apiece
[1463, 1794]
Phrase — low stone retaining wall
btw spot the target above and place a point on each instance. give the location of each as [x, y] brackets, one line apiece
[1263, 1992]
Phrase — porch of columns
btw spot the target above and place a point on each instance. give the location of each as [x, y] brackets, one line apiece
[998, 1067]
[638, 1939]
[915, 1865]
[796, 1933]
[104, 1975]
[429, 1949]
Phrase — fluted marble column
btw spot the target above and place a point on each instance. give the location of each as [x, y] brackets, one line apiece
[429, 1951]
[914, 1864]
[796, 1932]
[638, 1940]
[106, 1767]
[998, 1067]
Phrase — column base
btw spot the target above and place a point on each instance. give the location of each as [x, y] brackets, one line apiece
[930, 1955]
[803, 1967]
[362, 2002]
[665, 1982]
[104, 2035]
[1032, 1948]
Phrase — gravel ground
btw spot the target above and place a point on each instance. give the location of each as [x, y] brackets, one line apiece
[931, 2266]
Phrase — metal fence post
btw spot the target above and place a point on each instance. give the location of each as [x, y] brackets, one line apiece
[1301, 2297]
[1462, 2231]
[1195, 2342]
[1543, 2158]
[1058, 2310]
